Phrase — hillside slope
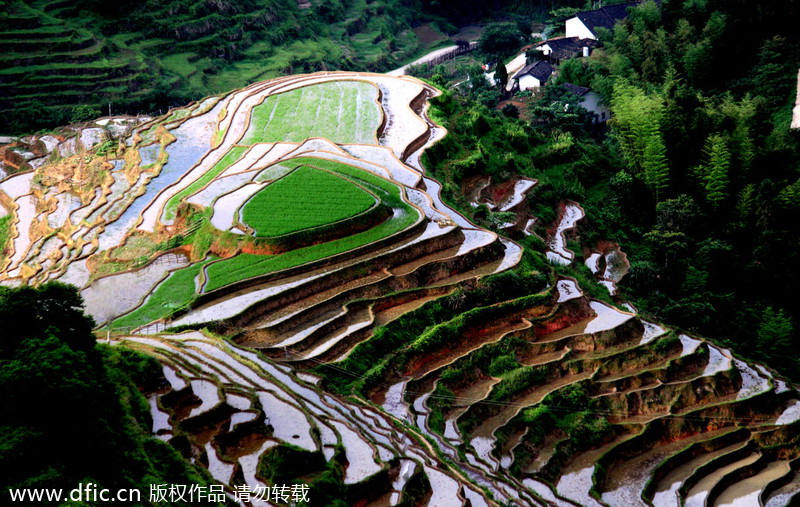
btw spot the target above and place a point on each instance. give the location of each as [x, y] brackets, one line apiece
[130, 57]
[394, 354]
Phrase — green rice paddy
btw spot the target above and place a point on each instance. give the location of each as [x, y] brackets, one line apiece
[342, 112]
[305, 198]
[243, 266]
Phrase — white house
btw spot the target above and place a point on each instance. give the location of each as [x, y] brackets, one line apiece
[574, 27]
[584, 24]
[591, 101]
[511, 69]
[533, 75]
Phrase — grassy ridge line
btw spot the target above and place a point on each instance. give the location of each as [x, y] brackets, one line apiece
[303, 199]
[174, 293]
[441, 333]
[243, 266]
[231, 157]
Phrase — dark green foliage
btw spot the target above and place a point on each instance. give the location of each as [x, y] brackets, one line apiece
[83, 112]
[502, 364]
[558, 151]
[28, 312]
[697, 180]
[688, 89]
[775, 334]
[517, 381]
[713, 174]
[416, 490]
[567, 406]
[501, 76]
[70, 409]
[500, 39]
[511, 111]
[575, 71]
[285, 463]
[637, 128]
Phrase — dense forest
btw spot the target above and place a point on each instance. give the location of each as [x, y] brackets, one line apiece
[696, 177]
[70, 410]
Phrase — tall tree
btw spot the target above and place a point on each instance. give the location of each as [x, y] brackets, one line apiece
[636, 125]
[715, 171]
[501, 75]
[775, 333]
[654, 163]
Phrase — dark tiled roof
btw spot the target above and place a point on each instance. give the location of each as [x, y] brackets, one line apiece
[604, 17]
[618, 12]
[541, 70]
[580, 91]
[568, 47]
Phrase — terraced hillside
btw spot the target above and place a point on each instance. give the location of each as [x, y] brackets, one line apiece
[142, 56]
[50, 66]
[382, 348]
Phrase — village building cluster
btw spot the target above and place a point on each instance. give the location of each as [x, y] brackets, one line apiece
[580, 39]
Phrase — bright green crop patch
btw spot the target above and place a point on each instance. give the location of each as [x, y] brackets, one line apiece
[5, 234]
[243, 266]
[302, 199]
[342, 112]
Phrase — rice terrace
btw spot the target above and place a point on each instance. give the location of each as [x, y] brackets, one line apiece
[321, 316]
[276, 210]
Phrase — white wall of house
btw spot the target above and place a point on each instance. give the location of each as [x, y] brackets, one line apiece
[527, 82]
[592, 103]
[575, 28]
[545, 48]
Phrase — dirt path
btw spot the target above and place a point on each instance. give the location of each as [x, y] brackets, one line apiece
[425, 59]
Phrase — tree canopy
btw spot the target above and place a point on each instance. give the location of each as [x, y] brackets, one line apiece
[69, 409]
